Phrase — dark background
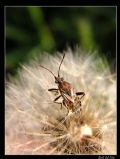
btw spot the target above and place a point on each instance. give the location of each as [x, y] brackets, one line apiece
[33, 30]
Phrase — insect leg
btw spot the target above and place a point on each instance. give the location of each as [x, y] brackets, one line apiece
[53, 89]
[57, 98]
[80, 93]
[58, 102]
[65, 104]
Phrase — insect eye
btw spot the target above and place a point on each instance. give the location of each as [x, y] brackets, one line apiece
[56, 81]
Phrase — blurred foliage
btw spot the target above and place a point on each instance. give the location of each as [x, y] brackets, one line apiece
[34, 30]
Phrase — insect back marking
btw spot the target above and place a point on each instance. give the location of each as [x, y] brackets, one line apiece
[71, 99]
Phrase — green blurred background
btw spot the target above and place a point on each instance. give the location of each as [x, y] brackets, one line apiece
[34, 30]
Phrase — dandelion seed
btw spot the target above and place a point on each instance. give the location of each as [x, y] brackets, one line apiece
[36, 125]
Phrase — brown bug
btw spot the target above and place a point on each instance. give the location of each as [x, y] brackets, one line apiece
[70, 98]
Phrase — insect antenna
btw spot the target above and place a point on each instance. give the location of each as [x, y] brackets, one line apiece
[47, 69]
[60, 65]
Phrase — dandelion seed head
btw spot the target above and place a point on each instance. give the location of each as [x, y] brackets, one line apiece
[34, 123]
[86, 131]
[79, 132]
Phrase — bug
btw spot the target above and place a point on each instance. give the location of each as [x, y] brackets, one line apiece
[67, 92]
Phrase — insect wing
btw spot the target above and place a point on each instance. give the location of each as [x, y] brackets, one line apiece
[67, 97]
